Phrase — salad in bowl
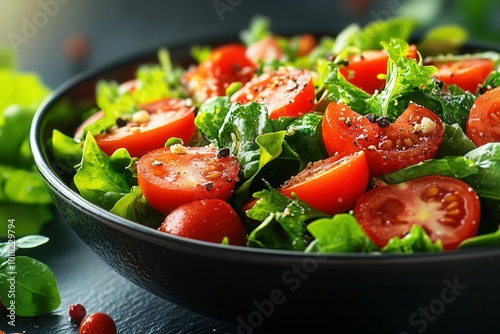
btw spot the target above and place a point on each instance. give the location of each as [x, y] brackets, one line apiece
[365, 142]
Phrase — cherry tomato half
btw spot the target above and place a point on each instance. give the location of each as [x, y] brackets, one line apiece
[414, 137]
[362, 70]
[467, 74]
[165, 119]
[171, 176]
[448, 210]
[226, 64]
[265, 50]
[208, 220]
[285, 92]
[98, 323]
[483, 125]
[332, 185]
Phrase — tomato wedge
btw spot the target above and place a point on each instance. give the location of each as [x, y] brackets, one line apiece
[226, 64]
[171, 176]
[332, 185]
[414, 137]
[163, 119]
[467, 74]
[447, 208]
[209, 220]
[286, 92]
[265, 50]
[363, 70]
[483, 124]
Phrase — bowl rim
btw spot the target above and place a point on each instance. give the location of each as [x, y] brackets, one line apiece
[244, 254]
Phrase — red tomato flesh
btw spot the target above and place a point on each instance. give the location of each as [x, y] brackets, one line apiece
[209, 220]
[332, 185]
[167, 118]
[414, 137]
[285, 92]
[467, 74]
[448, 210]
[169, 177]
[483, 125]
[226, 64]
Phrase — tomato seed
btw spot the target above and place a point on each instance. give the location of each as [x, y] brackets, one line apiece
[432, 191]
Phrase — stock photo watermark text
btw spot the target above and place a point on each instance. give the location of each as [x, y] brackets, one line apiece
[421, 318]
[31, 25]
[11, 272]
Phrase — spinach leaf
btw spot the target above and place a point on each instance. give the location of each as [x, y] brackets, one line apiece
[486, 182]
[340, 234]
[482, 241]
[305, 137]
[415, 241]
[458, 167]
[36, 286]
[98, 174]
[455, 104]
[211, 115]
[455, 142]
[239, 131]
[283, 221]
[135, 207]
[67, 152]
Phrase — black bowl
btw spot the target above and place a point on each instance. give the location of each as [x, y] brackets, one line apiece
[266, 289]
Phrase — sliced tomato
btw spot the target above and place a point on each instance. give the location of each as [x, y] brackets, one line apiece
[448, 210]
[265, 50]
[226, 64]
[414, 137]
[209, 220]
[483, 125]
[171, 176]
[363, 70]
[332, 185]
[286, 92]
[166, 118]
[467, 74]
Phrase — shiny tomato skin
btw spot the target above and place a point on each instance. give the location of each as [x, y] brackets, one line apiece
[362, 70]
[467, 74]
[208, 220]
[169, 178]
[98, 323]
[483, 124]
[448, 209]
[167, 118]
[332, 185]
[227, 64]
[285, 92]
[414, 137]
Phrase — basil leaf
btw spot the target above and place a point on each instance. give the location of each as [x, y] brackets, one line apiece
[415, 241]
[36, 286]
[340, 234]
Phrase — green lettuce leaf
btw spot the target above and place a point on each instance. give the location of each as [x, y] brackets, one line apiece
[415, 241]
[283, 221]
[340, 234]
[101, 179]
[135, 207]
